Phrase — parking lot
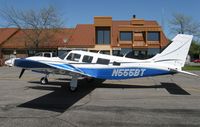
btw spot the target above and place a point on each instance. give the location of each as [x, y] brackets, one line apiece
[172, 100]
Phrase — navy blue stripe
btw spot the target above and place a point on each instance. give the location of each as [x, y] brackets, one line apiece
[108, 73]
[24, 63]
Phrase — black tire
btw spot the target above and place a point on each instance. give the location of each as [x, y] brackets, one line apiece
[90, 80]
[43, 81]
[72, 89]
[95, 80]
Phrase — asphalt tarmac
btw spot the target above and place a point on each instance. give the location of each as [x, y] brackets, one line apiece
[166, 101]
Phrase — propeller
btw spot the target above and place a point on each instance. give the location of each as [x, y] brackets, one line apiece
[22, 72]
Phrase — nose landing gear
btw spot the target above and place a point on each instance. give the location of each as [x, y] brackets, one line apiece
[44, 80]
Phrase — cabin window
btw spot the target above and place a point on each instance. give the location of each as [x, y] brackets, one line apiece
[87, 59]
[103, 61]
[47, 55]
[74, 57]
[116, 63]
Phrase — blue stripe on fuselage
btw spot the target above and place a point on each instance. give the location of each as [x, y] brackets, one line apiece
[25, 63]
[102, 73]
[123, 73]
[68, 67]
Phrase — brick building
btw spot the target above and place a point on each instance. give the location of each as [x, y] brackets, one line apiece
[142, 37]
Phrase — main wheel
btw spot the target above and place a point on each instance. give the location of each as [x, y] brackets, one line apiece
[43, 81]
[89, 80]
[94, 80]
[72, 89]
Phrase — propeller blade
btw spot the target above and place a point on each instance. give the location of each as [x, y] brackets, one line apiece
[22, 72]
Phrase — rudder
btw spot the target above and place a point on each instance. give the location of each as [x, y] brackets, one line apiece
[175, 54]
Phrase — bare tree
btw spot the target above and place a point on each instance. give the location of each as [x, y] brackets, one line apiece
[183, 24]
[37, 26]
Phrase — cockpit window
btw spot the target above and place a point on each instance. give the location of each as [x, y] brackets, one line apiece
[103, 61]
[74, 57]
[47, 55]
[87, 59]
[63, 55]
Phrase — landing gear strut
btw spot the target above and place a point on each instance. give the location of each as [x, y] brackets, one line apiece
[73, 84]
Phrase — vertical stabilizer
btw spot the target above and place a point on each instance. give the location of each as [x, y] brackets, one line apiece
[175, 54]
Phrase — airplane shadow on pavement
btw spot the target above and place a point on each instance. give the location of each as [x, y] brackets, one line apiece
[60, 99]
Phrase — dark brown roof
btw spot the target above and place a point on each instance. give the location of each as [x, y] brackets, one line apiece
[6, 33]
[56, 38]
[150, 23]
[83, 35]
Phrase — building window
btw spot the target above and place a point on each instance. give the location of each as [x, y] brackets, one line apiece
[125, 51]
[138, 54]
[116, 53]
[103, 35]
[153, 51]
[126, 36]
[153, 36]
[105, 52]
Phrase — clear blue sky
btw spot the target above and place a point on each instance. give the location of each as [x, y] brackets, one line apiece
[82, 11]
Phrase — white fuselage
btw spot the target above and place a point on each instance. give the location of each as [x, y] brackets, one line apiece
[106, 66]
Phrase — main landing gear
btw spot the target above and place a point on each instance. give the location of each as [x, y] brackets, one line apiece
[73, 83]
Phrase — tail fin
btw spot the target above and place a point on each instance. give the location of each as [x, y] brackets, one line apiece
[175, 54]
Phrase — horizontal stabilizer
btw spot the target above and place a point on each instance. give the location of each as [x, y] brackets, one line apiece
[188, 73]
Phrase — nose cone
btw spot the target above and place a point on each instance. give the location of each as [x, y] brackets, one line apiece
[10, 62]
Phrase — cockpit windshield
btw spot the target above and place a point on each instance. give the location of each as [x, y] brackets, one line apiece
[63, 55]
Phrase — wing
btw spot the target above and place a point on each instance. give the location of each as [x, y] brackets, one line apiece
[49, 67]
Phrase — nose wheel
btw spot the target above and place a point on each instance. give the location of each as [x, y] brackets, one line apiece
[44, 81]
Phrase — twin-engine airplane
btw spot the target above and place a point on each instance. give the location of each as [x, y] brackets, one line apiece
[101, 66]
